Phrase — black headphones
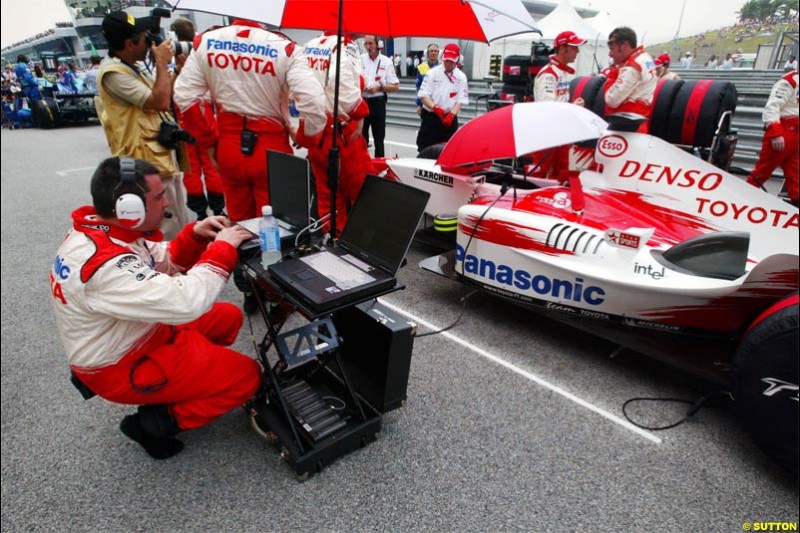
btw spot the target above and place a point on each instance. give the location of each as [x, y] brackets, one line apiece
[129, 205]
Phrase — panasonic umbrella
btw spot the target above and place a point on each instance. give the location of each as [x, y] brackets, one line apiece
[456, 19]
[520, 129]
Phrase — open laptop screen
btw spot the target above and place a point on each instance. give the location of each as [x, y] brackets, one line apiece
[289, 189]
[383, 220]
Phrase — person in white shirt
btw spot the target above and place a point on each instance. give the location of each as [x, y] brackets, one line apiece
[728, 63]
[687, 60]
[444, 90]
[712, 62]
[378, 71]
[790, 65]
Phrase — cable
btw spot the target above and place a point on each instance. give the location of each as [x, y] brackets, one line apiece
[311, 228]
[694, 407]
[463, 261]
[503, 191]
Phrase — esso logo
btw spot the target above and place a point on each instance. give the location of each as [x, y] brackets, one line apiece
[612, 146]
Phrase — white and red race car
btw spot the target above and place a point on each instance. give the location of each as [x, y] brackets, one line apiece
[671, 256]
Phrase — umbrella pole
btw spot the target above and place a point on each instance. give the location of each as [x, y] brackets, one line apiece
[333, 155]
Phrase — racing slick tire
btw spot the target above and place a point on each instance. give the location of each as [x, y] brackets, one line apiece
[765, 381]
[696, 111]
[590, 89]
[664, 98]
[46, 114]
[431, 152]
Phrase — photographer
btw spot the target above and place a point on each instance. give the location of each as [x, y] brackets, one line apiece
[136, 105]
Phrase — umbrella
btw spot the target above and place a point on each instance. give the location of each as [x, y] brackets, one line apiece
[458, 19]
[520, 129]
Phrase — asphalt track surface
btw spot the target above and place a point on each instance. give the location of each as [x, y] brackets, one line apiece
[513, 422]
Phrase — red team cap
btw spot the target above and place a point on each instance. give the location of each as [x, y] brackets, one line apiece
[568, 37]
[663, 59]
[451, 53]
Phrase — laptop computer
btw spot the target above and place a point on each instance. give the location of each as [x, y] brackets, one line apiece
[290, 196]
[366, 258]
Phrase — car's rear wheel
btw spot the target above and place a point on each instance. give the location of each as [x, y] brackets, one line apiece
[46, 114]
[765, 382]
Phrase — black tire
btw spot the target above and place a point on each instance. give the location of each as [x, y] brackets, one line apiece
[431, 152]
[45, 114]
[662, 106]
[768, 351]
[591, 90]
[704, 115]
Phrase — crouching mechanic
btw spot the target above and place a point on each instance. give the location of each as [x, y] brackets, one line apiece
[355, 161]
[780, 144]
[134, 331]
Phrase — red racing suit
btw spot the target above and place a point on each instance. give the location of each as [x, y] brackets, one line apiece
[249, 72]
[552, 85]
[780, 120]
[134, 334]
[354, 155]
[630, 88]
[200, 164]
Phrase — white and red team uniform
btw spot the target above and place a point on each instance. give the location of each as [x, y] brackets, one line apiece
[134, 334]
[249, 72]
[552, 85]
[630, 88]
[780, 120]
[354, 155]
[202, 172]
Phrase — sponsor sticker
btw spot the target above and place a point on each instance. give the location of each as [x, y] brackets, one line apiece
[622, 239]
[612, 146]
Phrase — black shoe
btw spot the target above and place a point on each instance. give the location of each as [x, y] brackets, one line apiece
[157, 448]
[250, 305]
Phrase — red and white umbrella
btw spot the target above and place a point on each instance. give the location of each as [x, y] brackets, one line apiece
[456, 19]
[520, 129]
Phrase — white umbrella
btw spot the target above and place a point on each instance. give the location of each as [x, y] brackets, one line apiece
[520, 129]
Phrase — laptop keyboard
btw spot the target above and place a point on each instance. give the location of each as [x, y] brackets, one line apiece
[342, 273]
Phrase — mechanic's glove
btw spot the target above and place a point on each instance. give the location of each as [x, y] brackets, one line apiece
[439, 112]
[307, 141]
[447, 120]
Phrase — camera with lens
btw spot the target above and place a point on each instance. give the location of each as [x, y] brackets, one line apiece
[154, 35]
[171, 135]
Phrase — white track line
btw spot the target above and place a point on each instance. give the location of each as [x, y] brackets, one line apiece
[405, 145]
[524, 373]
[63, 173]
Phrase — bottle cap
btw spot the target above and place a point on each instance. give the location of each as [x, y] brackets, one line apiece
[266, 211]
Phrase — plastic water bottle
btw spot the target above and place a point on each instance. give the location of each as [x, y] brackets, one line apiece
[270, 237]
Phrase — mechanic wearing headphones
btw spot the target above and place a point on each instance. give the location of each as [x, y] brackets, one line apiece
[136, 332]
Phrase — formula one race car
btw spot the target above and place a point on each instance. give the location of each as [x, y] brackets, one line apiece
[670, 255]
